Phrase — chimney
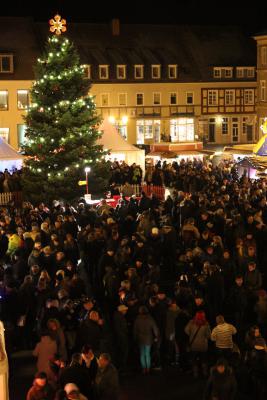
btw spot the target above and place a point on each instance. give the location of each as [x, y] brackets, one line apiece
[115, 27]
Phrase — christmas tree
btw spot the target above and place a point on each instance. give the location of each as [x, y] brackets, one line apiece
[62, 128]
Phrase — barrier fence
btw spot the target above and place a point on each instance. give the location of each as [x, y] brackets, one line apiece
[7, 198]
[129, 190]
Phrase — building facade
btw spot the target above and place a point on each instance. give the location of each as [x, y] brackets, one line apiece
[155, 83]
[261, 104]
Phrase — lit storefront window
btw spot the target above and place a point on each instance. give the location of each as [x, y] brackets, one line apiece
[147, 129]
[182, 130]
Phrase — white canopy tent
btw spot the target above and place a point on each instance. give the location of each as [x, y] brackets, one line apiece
[119, 149]
[9, 157]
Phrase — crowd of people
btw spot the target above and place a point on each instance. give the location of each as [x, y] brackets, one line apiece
[98, 293]
[10, 181]
[122, 173]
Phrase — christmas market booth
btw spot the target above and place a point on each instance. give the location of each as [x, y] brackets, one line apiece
[252, 167]
[9, 157]
[118, 148]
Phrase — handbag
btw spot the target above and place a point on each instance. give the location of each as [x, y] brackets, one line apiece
[193, 338]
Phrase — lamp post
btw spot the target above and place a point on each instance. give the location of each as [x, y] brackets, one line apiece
[87, 169]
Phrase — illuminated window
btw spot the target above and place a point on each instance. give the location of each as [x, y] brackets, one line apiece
[104, 99]
[6, 63]
[172, 70]
[21, 129]
[173, 98]
[139, 99]
[3, 100]
[212, 97]
[122, 99]
[139, 71]
[248, 96]
[23, 99]
[182, 129]
[121, 71]
[156, 98]
[229, 97]
[225, 126]
[147, 129]
[155, 69]
[4, 134]
[103, 72]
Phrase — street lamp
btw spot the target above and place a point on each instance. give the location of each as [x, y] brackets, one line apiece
[87, 169]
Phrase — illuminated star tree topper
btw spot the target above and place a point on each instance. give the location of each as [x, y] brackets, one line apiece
[58, 25]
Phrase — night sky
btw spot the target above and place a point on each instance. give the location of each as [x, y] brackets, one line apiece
[251, 15]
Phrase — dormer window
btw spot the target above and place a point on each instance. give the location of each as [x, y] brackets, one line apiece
[87, 71]
[121, 71]
[172, 71]
[223, 72]
[155, 71]
[245, 72]
[217, 72]
[250, 72]
[228, 72]
[103, 72]
[139, 71]
[6, 63]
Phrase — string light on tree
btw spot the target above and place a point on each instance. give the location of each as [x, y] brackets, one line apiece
[61, 126]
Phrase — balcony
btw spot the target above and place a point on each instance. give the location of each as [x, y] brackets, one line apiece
[149, 111]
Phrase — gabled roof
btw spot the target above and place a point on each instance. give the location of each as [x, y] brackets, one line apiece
[112, 140]
[7, 152]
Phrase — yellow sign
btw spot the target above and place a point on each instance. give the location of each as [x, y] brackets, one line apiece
[57, 25]
[82, 183]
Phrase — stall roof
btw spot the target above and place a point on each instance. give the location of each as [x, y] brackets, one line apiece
[175, 153]
[259, 163]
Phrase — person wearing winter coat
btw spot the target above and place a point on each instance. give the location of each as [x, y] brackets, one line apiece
[172, 348]
[198, 331]
[107, 380]
[253, 278]
[120, 327]
[45, 351]
[77, 374]
[145, 333]
[221, 384]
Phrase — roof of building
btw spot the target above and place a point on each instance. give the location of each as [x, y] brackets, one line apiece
[195, 49]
